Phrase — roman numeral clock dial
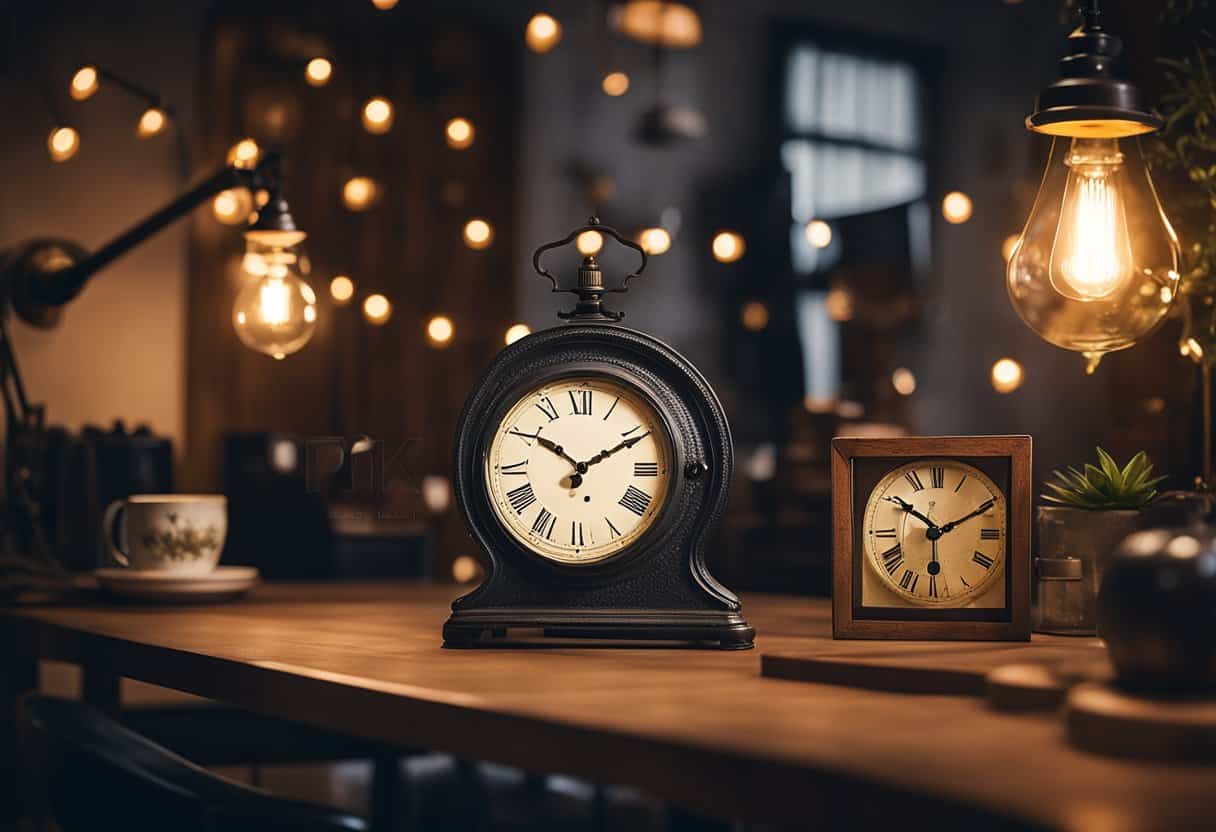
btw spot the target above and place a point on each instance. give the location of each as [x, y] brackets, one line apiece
[934, 533]
[579, 469]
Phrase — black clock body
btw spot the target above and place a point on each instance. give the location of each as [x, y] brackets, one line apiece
[658, 587]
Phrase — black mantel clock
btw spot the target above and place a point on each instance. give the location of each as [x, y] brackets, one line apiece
[592, 463]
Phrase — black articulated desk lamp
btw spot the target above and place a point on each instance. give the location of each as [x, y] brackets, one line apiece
[275, 313]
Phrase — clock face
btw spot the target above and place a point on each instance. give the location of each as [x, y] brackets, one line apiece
[579, 469]
[934, 532]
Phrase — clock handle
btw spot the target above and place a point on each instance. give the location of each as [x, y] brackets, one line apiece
[589, 289]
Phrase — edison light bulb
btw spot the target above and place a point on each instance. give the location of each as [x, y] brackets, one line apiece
[1096, 266]
[276, 311]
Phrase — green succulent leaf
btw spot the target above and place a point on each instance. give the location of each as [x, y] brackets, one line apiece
[1105, 486]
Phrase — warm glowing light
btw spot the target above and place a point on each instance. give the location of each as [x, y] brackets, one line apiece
[384, 5]
[63, 142]
[515, 332]
[668, 23]
[84, 83]
[152, 123]
[654, 240]
[232, 207]
[956, 207]
[589, 243]
[478, 234]
[275, 313]
[728, 246]
[459, 133]
[543, 33]
[377, 309]
[1092, 255]
[318, 72]
[1010, 246]
[378, 115]
[904, 381]
[754, 315]
[615, 83]
[1007, 375]
[466, 569]
[819, 233]
[360, 192]
[341, 289]
[839, 304]
[244, 154]
[439, 329]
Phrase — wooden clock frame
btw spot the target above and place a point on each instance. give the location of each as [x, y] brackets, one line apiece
[657, 588]
[849, 619]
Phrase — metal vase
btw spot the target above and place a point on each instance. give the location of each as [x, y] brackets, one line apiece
[1088, 535]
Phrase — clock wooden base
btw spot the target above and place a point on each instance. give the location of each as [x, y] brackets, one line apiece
[509, 627]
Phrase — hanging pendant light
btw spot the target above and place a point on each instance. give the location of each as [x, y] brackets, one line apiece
[1096, 267]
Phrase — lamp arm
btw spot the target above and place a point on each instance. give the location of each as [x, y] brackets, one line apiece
[54, 289]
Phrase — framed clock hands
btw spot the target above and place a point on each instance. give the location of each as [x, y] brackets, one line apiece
[954, 524]
[933, 531]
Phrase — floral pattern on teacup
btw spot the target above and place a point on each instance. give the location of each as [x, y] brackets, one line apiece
[182, 541]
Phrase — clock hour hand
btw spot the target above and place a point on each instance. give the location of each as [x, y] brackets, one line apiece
[911, 509]
[953, 524]
[549, 444]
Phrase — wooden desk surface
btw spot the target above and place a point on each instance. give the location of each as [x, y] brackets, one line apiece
[699, 728]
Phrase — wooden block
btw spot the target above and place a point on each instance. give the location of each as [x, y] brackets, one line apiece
[1105, 720]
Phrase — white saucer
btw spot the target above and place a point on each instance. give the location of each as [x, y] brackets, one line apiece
[223, 583]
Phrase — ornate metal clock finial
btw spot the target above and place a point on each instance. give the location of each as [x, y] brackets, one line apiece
[590, 289]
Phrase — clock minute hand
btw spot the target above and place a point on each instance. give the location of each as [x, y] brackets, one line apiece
[628, 443]
[953, 524]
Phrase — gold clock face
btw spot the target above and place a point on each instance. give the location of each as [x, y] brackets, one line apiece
[934, 533]
[579, 469]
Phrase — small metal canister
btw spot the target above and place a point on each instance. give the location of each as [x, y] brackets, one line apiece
[1065, 606]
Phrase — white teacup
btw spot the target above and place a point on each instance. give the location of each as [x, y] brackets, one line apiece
[179, 533]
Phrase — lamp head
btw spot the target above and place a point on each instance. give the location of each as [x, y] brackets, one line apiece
[274, 226]
[1089, 100]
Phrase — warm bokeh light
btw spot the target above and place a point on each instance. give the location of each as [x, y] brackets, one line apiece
[515, 332]
[654, 240]
[839, 304]
[615, 83]
[754, 315]
[1010, 245]
[244, 154]
[956, 207]
[589, 243]
[233, 206]
[439, 330]
[63, 142]
[466, 569]
[378, 115]
[384, 5]
[728, 246]
[459, 133]
[341, 289]
[669, 23]
[819, 233]
[377, 309]
[543, 33]
[318, 72]
[84, 83]
[360, 192]
[1007, 375]
[904, 381]
[478, 234]
[152, 123]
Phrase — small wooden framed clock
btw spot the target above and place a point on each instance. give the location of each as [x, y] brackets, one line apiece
[592, 463]
[931, 537]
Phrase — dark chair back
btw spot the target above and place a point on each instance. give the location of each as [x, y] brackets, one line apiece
[100, 775]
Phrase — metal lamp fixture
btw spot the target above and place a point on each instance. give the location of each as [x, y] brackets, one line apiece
[1095, 269]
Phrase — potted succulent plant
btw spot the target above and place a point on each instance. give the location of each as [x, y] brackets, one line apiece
[1087, 513]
